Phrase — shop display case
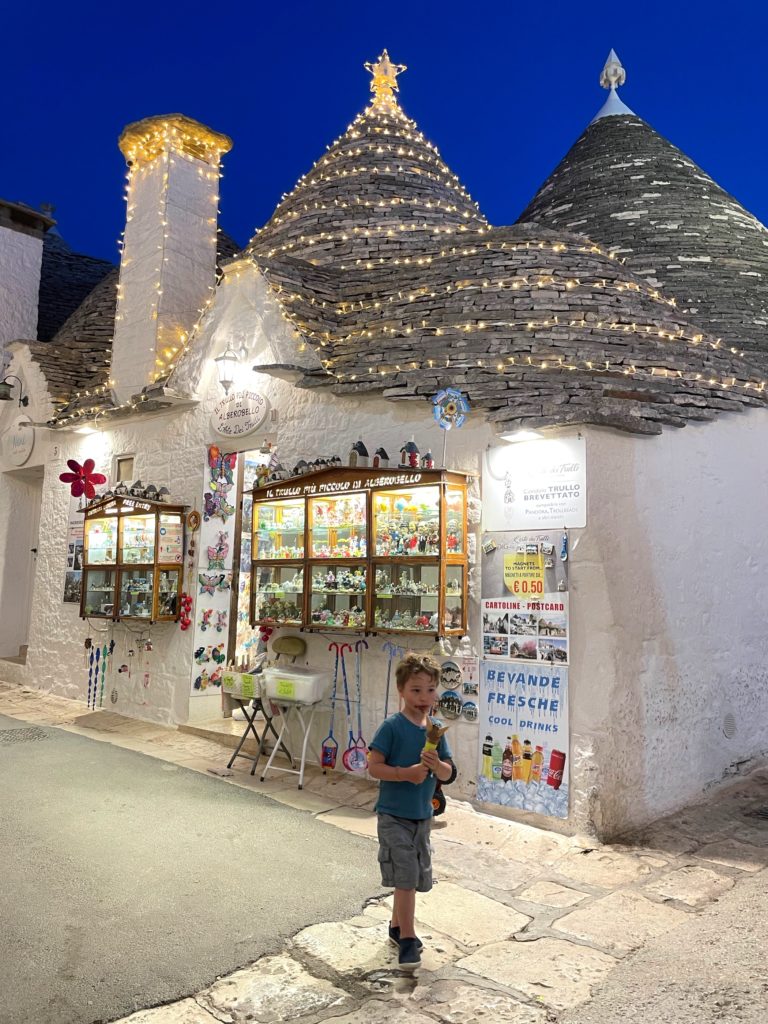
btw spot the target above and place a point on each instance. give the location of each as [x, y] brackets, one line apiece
[372, 551]
[132, 559]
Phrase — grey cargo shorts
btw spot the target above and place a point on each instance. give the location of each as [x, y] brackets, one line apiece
[405, 857]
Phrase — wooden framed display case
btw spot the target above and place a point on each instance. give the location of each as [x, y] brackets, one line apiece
[373, 550]
[133, 560]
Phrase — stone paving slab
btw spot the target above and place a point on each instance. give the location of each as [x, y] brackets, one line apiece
[620, 922]
[353, 819]
[484, 869]
[732, 854]
[274, 989]
[604, 868]
[362, 950]
[691, 885]
[552, 894]
[380, 1011]
[185, 1012]
[455, 1002]
[467, 916]
[558, 973]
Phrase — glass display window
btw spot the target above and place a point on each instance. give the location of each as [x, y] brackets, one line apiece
[454, 521]
[338, 596]
[338, 526]
[138, 539]
[454, 613]
[101, 541]
[170, 540]
[407, 522]
[278, 594]
[406, 597]
[99, 592]
[278, 528]
[136, 593]
[168, 590]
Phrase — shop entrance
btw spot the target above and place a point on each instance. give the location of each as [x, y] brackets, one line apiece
[23, 491]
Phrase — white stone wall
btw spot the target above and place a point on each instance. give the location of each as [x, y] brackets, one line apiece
[168, 266]
[20, 260]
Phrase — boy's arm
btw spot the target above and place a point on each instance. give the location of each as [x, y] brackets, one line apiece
[379, 769]
[442, 769]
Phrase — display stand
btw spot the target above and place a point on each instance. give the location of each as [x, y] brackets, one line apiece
[294, 711]
[250, 728]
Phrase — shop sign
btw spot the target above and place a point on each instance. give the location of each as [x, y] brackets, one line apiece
[19, 441]
[535, 485]
[523, 741]
[239, 414]
[339, 486]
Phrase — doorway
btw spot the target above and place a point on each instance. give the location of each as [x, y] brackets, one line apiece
[22, 494]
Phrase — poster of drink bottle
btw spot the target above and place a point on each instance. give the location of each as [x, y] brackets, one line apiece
[523, 718]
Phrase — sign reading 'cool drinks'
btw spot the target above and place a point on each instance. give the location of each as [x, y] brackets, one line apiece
[239, 414]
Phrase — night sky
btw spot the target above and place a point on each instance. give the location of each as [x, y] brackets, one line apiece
[502, 88]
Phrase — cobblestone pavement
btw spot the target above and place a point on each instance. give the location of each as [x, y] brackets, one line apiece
[524, 923]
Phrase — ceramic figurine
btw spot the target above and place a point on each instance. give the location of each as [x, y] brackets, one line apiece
[300, 468]
[151, 492]
[121, 490]
[427, 460]
[358, 454]
[137, 489]
[409, 455]
[380, 459]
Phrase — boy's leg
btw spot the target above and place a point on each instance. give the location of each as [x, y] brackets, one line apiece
[403, 912]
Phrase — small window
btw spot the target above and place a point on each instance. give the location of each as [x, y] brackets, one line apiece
[123, 469]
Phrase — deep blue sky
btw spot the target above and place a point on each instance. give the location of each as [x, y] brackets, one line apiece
[502, 88]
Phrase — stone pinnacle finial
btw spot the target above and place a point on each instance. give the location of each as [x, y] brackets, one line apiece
[384, 79]
[613, 74]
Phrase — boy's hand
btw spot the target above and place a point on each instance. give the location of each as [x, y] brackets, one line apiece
[431, 759]
[415, 774]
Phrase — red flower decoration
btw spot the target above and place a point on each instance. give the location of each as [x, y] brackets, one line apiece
[82, 478]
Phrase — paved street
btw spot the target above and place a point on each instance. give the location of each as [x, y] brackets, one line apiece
[524, 925]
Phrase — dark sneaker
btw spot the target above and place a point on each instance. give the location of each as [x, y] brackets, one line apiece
[394, 937]
[410, 954]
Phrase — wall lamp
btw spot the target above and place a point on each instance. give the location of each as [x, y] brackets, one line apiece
[227, 364]
[6, 388]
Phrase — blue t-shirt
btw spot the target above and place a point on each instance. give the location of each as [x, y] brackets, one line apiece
[401, 742]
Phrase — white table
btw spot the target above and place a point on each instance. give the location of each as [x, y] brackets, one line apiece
[303, 714]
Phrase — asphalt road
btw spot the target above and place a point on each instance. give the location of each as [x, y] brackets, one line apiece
[126, 882]
[710, 970]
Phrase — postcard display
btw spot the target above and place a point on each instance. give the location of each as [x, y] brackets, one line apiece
[362, 550]
[212, 582]
[132, 560]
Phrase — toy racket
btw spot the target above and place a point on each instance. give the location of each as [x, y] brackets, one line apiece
[358, 757]
[96, 668]
[330, 748]
[90, 676]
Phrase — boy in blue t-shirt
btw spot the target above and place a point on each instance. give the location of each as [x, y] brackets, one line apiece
[407, 783]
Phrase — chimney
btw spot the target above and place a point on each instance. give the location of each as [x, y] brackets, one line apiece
[168, 265]
[21, 255]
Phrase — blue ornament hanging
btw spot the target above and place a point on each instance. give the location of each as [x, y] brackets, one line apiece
[450, 408]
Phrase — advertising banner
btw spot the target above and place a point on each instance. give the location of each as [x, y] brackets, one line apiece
[524, 747]
[535, 485]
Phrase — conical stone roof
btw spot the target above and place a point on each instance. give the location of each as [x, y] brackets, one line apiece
[381, 192]
[626, 187]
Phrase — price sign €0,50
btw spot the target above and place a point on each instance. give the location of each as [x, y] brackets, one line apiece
[524, 574]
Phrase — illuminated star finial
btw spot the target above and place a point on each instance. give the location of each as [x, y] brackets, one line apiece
[384, 80]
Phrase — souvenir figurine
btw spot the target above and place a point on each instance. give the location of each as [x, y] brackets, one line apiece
[427, 460]
[358, 454]
[330, 580]
[151, 492]
[380, 459]
[409, 455]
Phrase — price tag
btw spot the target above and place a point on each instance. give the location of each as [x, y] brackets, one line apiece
[228, 682]
[247, 685]
[285, 688]
[524, 574]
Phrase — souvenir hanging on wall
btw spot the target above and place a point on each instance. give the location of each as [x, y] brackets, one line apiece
[222, 479]
[83, 479]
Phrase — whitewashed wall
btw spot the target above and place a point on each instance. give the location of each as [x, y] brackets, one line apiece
[20, 260]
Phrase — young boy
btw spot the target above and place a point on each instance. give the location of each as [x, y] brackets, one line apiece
[407, 776]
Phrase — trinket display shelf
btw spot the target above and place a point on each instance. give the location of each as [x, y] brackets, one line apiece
[133, 557]
[362, 549]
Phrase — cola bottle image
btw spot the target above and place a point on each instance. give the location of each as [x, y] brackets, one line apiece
[556, 768]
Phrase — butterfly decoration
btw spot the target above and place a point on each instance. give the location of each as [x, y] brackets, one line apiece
[217, 553]
[82, 479]
[211, 583]
[222, 474]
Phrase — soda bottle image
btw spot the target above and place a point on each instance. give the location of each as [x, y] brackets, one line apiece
[526, 762]
[556, 767]
[487, 769]
[506, 763]
[537, 762]
[517, 758]
[496, 758]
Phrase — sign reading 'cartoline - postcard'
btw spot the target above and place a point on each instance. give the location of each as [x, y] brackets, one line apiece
[535, 485]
